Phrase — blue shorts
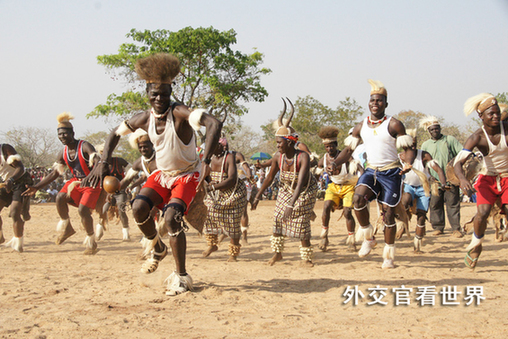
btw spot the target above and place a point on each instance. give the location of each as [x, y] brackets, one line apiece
[386, 185]
[417, 192]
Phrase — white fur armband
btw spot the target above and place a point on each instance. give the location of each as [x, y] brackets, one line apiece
[195, 118]
[124, 129]
[353, 166]
[94, 156]
[404, 141]
[131, 173]
[431, 163]
[463, 155]
[60, 168]
[352, 142]
[12, 158]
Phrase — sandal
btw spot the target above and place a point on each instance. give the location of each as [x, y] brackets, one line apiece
[473, 261]
[151, 264]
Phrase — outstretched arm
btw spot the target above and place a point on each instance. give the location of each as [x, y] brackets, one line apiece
[59, 168]
[461, 158]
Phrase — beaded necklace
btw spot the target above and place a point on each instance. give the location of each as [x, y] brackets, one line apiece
[376, 122]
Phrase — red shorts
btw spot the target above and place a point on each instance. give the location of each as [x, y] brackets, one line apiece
[487, 192]
[86, 196]
[184, 189]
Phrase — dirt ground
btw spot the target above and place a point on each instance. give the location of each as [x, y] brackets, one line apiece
[54, 291]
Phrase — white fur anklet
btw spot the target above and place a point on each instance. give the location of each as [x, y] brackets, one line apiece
[417, 243]
[16, 244]
[389, 252]
[365, 233]
[125, 234]
[474, 242]
[178, 284]
[324, 232]
[350, 239]
[277, 243]
[90, 241]
[150, 245]
[62, 225]
[244, 228]
[306, 253]
[99, 231]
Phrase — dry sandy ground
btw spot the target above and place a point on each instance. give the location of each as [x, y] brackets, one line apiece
[52, 291]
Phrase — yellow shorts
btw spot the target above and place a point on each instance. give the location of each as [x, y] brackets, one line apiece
[336, 193]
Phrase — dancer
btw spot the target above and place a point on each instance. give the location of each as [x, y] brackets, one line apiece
[382, 180]
[490, 140]
[442, 148]
[296, 198]
[170, 127]
[416, 188]
[78, 156]
[340, 190]
[15, 180]
[119, 199]
[226, 201]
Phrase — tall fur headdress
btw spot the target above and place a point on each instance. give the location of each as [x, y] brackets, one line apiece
[283, 128]
[138, 136]
[328, 134]
[479, 103]
[428, 121]
[377, 87]
[160, 68]
[64, 120]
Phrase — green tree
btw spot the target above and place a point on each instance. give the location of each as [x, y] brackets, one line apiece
[213, 75]
[37, 147]
[311, 115]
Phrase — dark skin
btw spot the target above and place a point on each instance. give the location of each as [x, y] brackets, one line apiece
[159, 96]
[146, 149]
[491, 119]
[66, 137]
[232, 177]
[16, 206]
[407, 199]
[331, 153]
[287, 147]
[377, 106]
[435, 132]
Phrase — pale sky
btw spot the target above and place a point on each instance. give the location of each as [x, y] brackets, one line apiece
[431, 55]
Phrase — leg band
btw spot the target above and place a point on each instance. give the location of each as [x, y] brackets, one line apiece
[389, 252]
[211, 240]
[234, 250]
[475, 241]
[145, 199]
[178, 217]
[277, 243]
[360, 208]
[306, 253]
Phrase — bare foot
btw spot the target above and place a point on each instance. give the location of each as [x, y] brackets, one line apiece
[69, 231]
[209, 251]
[306, 263]
[232, 259]
[276, 257]
[323, 245]
[399, 233]
[351, 247]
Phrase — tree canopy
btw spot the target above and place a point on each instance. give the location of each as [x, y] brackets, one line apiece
[311, 115]
[212, 76]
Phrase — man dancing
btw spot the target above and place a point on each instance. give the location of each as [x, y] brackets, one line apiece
[15, 179]
[170, 127]
[77, 155]
[490, 140]
[340, 190]
[382, 180]
[416, 188]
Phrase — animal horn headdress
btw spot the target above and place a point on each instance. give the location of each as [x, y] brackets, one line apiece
[64, 120]
[159, 68]
[479, 103]
[283, 128]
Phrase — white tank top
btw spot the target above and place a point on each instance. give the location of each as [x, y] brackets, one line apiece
[172, 153]
[380, 146]
[496, 161]
[343, 178]
[411, 178]
[6, 171]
